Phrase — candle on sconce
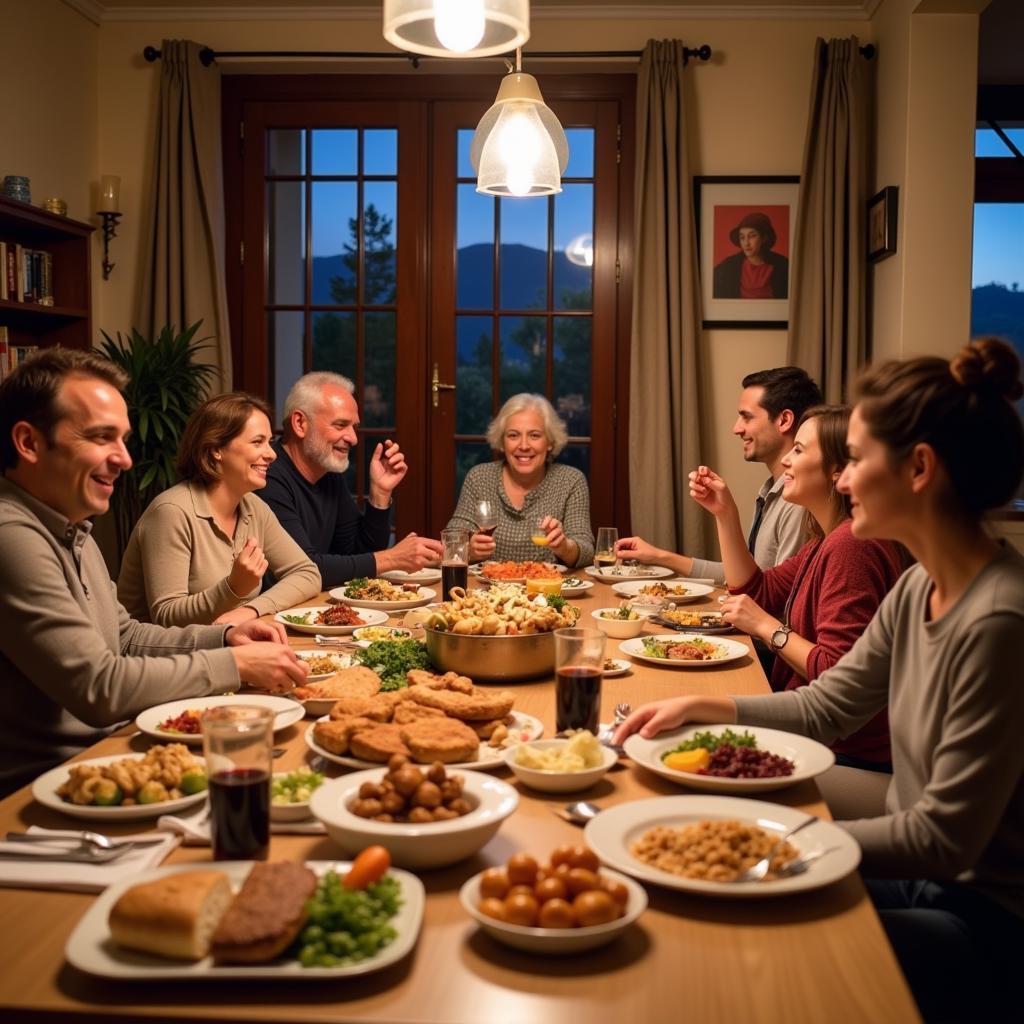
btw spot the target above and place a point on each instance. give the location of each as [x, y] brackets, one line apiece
[110, 194]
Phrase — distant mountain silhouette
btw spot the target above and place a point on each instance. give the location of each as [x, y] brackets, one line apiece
[524, 272]
[998, 310]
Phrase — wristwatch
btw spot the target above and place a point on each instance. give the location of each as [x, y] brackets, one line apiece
[779, 638]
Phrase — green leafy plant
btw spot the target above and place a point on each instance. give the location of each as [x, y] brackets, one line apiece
[165, 385]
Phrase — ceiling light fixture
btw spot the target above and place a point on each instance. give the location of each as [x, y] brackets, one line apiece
[457, 28]
[519, 147]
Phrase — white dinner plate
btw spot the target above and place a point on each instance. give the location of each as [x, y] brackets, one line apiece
[693, 591]
[581, 588]
[422, 596]
[621, 666]
[370, 617]
[733, 650]
[91, 949]
[487, 757]
[809, 758]
[286, 712]
[422, 576]
[630, 572]
[611, 834]
[44, 790]
[337, 658]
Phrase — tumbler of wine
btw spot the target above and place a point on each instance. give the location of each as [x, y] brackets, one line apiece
[604, 550]
[486, 516]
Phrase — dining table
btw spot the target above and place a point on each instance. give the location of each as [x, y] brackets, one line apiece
[800, 958]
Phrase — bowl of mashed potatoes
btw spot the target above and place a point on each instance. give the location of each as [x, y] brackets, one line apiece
[560, 765]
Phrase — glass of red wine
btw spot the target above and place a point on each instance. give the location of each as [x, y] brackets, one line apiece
[579, 665]
[237, 743]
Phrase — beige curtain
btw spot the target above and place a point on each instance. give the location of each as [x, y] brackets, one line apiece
[827, 308]
[183, 263]
[664, 414]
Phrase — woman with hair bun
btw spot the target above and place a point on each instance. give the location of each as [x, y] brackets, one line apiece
[933, 446]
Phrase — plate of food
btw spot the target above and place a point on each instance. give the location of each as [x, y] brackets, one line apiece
[677, 842]
[420, 576]
[381, 742]
[518, 572]
[573, 586]
[179, 720]
[330, 619]
[687, 620]
[125, 787]
[382, 594]
[629, 572]
[660, 595]
[731, 758]
[130, 933]
[616, 666]
[683, 650]
[323, 664]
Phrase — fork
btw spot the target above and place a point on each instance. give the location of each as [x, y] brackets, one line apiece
[622, 712]
[83, 855]
[92, 840]
[756, 872]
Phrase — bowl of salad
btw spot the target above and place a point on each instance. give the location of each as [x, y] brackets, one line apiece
[290, 793]
[621, 623]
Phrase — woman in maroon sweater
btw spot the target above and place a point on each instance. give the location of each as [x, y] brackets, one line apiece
[811, 608]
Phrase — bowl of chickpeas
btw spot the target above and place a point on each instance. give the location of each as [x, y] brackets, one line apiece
[568, 905]
[426, 816]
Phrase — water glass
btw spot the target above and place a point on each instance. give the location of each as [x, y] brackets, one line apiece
[604, 549]
[579, 668]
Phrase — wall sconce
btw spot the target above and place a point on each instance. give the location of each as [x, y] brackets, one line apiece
[457, 28]
[110, 201]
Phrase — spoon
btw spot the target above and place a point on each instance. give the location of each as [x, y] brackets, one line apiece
[757, 871]
[578, 813]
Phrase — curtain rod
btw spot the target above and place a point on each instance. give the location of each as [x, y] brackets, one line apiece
[208, 56]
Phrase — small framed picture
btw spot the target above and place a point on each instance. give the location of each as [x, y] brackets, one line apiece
[744, 238]
[882, 210]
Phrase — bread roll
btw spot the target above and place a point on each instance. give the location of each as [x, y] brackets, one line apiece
[174, 916]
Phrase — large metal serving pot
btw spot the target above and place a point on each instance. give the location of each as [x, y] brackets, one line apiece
[499, 659]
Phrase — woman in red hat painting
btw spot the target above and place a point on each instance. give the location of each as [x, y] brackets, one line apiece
[755, 272]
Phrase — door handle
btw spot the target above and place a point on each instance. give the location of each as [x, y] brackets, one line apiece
[436, 386]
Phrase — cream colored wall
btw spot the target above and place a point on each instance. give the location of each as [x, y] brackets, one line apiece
[49, 119]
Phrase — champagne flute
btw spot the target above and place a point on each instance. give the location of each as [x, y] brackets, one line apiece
[604, 550]
[486, 516]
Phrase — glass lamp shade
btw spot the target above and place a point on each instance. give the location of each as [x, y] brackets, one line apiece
[519, 147]
[457, 28]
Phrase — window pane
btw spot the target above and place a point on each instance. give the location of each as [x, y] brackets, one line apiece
[334, 343]
[285, 340]
[380, 151]
[998, 253]
[574, 247]
[335, 150]
[335, 243]
[524, 253]
[577, 455]
[467, 455]
[571, 373]
[464, 167]
[286, 225]
[380, 205]
[286, 151]
[473, 374]
[474, 243]
[378, 406]
[988, 143]
[523, 355]
[581, 153]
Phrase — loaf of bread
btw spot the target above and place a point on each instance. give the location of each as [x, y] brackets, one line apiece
[174, 916]
[266, 915]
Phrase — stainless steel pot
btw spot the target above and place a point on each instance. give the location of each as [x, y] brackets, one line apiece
[499, 659]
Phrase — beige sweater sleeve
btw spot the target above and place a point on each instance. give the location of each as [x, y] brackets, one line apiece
[297, 578]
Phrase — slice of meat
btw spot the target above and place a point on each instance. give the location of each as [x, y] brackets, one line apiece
[378, 743]
[441, 739]
[409, 711]
[334, 736]
[479, 706]
[356, 681]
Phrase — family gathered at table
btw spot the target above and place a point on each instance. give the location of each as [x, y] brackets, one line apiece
[887, 618]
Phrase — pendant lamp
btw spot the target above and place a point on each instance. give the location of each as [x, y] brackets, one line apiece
[519, 147]
[457, 28]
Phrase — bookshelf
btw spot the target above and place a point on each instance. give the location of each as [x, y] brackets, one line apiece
[68, 321]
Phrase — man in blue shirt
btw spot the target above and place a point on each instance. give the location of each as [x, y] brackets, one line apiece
[306, 490]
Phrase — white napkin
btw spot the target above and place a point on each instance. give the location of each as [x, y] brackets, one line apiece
[28, 873]
[195, 829]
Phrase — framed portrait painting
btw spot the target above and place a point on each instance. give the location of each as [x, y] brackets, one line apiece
[744, 238]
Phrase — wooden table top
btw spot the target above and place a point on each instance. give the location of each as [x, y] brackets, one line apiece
[805, 958]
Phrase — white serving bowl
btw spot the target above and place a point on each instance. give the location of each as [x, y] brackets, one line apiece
[289, 812]
[555, 940]
[557, 781]
[619, 629]
[431, 845]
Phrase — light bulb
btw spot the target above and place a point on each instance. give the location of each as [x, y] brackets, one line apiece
[519, 149]
[459, 24]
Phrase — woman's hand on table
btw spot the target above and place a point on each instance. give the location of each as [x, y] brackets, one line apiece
[269, 667]
[481, 547]
[662, 715]
[710, 491]
[254, 630]
[236, 616]
[748, 616]
[247, 569]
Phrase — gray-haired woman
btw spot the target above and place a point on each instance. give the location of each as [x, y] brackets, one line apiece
[531, 494]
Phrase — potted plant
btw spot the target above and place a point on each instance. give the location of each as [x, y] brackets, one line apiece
[165, 385]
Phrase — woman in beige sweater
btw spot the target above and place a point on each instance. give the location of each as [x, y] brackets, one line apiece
[199, 552]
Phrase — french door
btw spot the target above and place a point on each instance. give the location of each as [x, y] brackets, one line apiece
[363, 248]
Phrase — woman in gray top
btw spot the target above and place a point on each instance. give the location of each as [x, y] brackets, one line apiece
[529, 494]
[933, 446]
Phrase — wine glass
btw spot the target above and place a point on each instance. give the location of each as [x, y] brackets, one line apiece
[486, 516]
[604, 550]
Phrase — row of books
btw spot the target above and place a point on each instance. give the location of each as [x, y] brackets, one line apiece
[12, 355]
[26, 275]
